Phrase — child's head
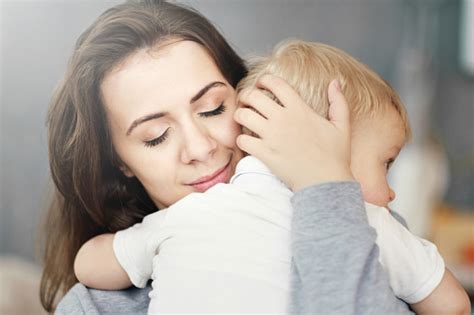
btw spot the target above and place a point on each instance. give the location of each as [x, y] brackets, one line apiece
[379, 120]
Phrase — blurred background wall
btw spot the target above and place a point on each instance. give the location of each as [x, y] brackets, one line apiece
[404, 41]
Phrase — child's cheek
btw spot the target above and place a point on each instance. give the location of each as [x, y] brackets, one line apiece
[374, 196]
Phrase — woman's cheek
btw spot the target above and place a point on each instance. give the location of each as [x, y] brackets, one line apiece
[228, 131]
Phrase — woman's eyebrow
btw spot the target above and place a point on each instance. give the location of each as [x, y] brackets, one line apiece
[143, 119]
[205, 89]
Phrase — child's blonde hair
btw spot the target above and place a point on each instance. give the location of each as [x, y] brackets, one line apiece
[309, 68]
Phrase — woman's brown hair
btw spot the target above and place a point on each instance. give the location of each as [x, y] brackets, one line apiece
[91, 195]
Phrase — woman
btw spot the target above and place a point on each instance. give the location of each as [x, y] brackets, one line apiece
[144, 116]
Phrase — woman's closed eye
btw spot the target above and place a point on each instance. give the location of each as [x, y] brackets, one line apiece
[158, 140]
[219, 110]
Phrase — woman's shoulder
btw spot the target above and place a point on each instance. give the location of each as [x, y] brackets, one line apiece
[82, 300]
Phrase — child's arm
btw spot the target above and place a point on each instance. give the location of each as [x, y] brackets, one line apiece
[96, 265]
[415, 268]
[115, 261]
[448, 298]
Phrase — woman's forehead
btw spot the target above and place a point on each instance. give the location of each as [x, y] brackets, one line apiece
[171, 56]
[164, 81]
[178, 70]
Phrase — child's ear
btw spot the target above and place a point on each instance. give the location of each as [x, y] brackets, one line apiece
[126, 171]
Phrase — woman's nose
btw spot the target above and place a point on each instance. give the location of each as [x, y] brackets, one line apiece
[199, 144]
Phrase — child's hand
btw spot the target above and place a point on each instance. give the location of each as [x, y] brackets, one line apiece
[300, 147]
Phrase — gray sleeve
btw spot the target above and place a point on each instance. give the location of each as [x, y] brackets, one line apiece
[82, 300]
[335, 267]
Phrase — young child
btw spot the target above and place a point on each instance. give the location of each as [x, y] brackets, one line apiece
[227, 250]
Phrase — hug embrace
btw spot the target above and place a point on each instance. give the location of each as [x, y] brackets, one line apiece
[187, 181]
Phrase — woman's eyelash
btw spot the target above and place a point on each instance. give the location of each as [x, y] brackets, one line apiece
[219, 110]
[157, 141]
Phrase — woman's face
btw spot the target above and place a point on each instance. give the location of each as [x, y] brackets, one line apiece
[170, 113]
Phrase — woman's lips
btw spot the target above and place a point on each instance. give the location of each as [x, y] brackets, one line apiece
[206, 182]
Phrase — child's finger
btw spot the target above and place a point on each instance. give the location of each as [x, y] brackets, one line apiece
[259, 101]
[251, 145]
[281, 89]
[339, 113]
[250, 119]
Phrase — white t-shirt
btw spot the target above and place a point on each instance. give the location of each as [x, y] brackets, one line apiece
[228, 249]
